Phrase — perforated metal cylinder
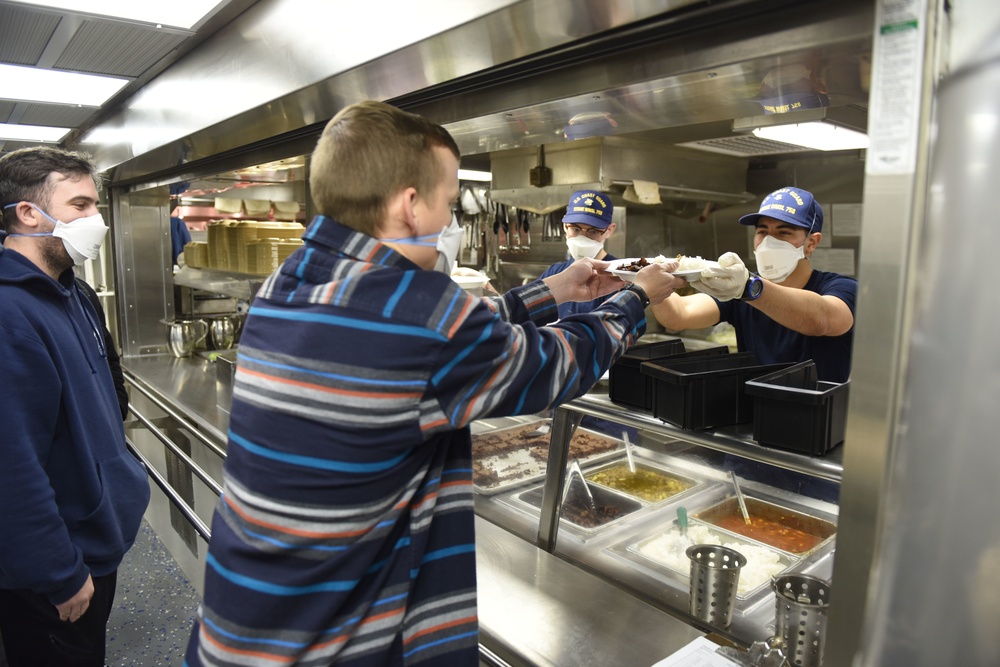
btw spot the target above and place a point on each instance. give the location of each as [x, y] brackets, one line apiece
[715, 575]
[801, 603]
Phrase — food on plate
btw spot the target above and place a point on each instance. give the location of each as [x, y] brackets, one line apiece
[645, 483]
[773, 525]
[640, 263]
[695, 263]
[636, 265]
[670, 550]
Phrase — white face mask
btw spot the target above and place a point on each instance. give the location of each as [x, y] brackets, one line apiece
[82, 237]
[777, 259]
[581, 246]
[449, 244]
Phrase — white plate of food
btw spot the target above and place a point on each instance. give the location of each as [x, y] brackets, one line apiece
[689, 269]
[628, 267]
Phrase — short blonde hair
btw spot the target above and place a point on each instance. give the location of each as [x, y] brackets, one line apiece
[367, 153]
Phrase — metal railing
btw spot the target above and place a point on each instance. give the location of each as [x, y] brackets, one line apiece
[169, 491]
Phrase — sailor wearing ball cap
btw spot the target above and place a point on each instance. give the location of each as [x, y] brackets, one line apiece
[790, 312]
[587, 225]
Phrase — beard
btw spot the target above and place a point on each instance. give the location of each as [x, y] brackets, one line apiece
[55, 255]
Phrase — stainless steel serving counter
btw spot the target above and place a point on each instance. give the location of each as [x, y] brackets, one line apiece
[188, 385]
[537, 609]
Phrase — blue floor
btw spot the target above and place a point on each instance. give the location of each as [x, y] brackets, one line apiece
[154, 607]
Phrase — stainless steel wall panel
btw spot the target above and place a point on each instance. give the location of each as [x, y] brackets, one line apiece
[269, 51]
[890, 277]
[283, 65]
[689, 79]
[935, 591]
[145, 288]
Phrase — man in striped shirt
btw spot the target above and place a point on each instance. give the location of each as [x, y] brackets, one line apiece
[346, 531]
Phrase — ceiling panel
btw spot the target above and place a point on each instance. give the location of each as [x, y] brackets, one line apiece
[55, 115]
[45, 38]
[115, 49]
[24, 34]
[6, 109]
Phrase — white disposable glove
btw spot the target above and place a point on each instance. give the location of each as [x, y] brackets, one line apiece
[725, 282]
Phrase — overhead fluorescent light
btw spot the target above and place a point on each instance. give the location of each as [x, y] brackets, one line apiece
[176, 13]
[824, 129]
[817, 135]
[49, 86]
[39, 133]
[472, 175]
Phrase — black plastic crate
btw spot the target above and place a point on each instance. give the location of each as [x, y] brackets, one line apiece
[705, 392]
[629, 387]
[794, 410]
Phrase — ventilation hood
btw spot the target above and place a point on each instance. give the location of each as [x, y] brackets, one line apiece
[635, 173]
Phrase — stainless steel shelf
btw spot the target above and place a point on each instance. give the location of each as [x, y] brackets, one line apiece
[231, 283]
[731, 440]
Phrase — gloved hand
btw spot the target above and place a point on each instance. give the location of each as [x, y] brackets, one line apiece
[726, 281]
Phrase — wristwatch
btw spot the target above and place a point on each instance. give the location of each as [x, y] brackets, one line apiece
[753, 288]
[632, 287]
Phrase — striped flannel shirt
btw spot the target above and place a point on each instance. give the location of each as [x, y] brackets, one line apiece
[345, 532]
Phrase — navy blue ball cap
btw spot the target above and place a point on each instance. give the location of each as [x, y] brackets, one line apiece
[589, 207]
[792, 205]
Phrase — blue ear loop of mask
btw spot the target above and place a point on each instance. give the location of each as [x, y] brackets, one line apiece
[93, 325]
[426, 241]
[37, 209]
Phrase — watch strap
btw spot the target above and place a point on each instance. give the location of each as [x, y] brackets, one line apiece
[632, 287]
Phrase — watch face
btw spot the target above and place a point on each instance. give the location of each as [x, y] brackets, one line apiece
[756, 287]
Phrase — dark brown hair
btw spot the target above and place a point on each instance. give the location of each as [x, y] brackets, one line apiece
[24, 176]
[368, 152]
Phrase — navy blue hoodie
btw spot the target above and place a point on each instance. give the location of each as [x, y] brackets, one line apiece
[71, 496]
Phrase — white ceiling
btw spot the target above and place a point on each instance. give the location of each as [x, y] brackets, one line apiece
[59, 40]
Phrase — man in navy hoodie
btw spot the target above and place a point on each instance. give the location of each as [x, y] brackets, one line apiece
[71, 496]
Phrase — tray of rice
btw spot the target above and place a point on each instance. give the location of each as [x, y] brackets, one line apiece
[668, 550]
[512, 456]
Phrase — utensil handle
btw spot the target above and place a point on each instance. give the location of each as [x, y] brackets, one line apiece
[739, 498]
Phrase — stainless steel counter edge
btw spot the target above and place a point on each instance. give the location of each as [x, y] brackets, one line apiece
[187, 384]
[537, 609]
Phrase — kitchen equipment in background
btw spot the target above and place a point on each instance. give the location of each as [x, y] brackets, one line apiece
[801, 602]
[715, 576]
[222, 331]
[184, 335]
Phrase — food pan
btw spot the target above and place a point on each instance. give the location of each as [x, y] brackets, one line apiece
[509, 457]
[666, 551]
[649, 484]
[610, 507]
[780, 527]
